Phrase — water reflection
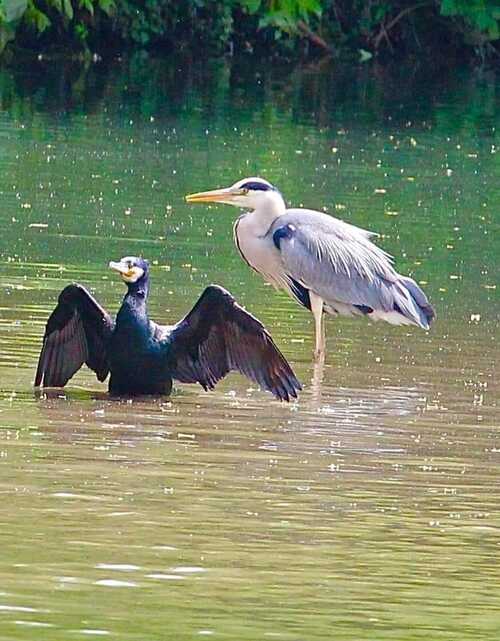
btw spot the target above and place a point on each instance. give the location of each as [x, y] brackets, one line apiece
[367, 507]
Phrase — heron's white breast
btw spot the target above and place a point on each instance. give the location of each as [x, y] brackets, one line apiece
[259, 251]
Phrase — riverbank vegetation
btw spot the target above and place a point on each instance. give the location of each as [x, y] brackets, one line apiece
[284, 28]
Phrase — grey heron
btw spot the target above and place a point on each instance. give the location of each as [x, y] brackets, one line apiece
[324, 263]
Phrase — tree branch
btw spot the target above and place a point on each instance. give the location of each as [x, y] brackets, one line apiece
[313, 37]
[385, 28]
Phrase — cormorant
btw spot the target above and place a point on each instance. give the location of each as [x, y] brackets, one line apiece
[215, 337]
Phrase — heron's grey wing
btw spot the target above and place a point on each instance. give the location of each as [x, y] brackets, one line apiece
[77, 332]
[335, 260]
[339, 263]
[218, 336]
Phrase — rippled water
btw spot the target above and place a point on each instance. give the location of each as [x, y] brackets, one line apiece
[367, 510]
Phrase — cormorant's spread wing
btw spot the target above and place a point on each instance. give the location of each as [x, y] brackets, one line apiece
[218, 336]
[76, 333]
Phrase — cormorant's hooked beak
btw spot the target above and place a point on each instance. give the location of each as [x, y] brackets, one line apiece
[226, 195]
[130, 274]
[121, 268]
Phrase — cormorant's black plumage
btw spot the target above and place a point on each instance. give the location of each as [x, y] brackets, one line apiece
[217, 336]
[76, 333]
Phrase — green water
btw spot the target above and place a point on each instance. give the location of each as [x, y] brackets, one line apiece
[366, 511]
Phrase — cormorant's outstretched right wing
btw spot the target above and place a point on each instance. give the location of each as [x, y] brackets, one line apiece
[76, 333]
[218, 336]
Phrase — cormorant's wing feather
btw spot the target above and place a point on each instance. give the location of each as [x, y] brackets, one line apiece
[339, 263]
[76, 333]
[218, 336]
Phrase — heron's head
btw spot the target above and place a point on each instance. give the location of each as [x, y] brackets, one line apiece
[248, 193]
[131, 269]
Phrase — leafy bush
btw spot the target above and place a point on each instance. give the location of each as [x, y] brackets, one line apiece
[273, 25]
[481, 18]
[40, 21]
[151, 22]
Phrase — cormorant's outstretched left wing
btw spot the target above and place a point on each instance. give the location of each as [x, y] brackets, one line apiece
[76, 333]
[218, 336]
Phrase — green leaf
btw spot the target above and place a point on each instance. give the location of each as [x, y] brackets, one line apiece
[57, 4]
[449, 7]
[494, 31]
[7, 34]
[36, 19]
[68, 9]
[364, 55]
[252, 6]
[81, 32]
[87, 5]
[312, 6]
[380, 13]
[14, 9]
[107, 6]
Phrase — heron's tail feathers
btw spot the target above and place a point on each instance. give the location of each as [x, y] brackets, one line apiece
[411, 303]
[411, 306]
[421, 300]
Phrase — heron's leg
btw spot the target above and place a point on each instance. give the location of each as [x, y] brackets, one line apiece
[317, 311]
[317, 379]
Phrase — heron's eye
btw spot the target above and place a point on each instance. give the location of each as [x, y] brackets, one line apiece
[245, 191]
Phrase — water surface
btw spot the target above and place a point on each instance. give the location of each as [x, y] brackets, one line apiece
[367, 510]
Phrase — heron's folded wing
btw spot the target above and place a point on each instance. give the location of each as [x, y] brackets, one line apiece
[218, 336]
[77, 332]
[334, 259]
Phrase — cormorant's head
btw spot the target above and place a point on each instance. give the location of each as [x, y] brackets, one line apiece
[248, 193]
[131, 268]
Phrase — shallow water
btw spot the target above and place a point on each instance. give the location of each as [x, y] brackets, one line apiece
[367, 510]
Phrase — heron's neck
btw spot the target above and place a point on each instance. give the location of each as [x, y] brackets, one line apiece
[263, 216]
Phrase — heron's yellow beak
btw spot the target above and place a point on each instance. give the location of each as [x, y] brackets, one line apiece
[215, 196]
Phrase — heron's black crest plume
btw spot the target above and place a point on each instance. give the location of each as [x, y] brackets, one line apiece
[255, 185]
